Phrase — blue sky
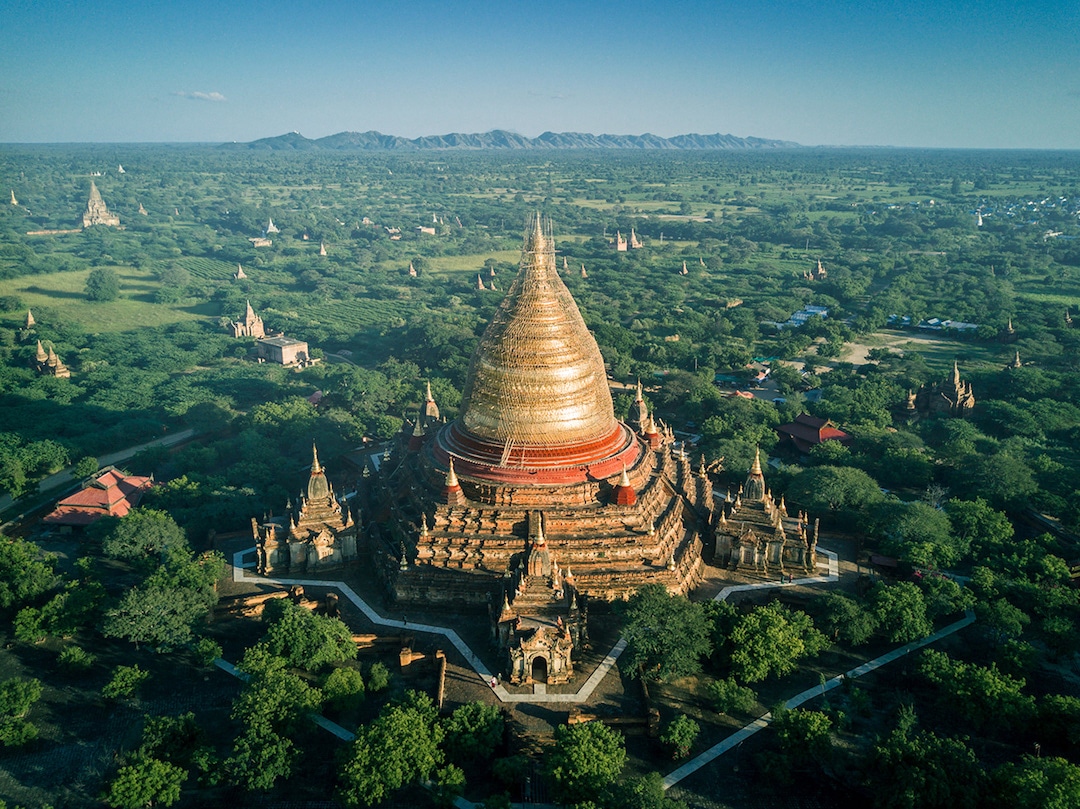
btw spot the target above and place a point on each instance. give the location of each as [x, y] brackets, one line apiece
[946, 73]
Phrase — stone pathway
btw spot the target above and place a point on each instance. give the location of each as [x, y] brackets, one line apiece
[762, 722]
[538, 696]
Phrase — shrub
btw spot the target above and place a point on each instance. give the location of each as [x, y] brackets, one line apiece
[343, 689]
[679, 736]
[17, 697]
[28, 625]
[207, 651]
[378, 677]
[125, 682]
[75, 658]
[729, 697]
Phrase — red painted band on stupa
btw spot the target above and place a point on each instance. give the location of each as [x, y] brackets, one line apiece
[536, 464]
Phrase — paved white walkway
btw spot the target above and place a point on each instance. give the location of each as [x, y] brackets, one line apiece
[762, 722]
[538, 697]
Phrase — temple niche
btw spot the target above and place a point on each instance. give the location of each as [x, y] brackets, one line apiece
[536, 500]
[319, 534]
[950, 397]
[755, 533]
[96, 212]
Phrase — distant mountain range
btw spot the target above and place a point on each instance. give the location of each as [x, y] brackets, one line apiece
[501, 139]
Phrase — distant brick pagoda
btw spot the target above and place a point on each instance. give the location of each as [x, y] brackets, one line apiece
[950, 397]
[536, 499]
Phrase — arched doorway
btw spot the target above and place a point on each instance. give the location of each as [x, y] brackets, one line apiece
[539, 669]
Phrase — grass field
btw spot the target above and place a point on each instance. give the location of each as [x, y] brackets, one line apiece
[456, 265]
[134, 309]
[939, 352]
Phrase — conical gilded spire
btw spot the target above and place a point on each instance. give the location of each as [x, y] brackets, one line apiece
[537, 377]
[318, 487]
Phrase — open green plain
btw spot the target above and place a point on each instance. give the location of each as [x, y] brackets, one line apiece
[157, 360]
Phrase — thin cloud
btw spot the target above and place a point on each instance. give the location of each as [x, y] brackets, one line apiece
[553, 96]
[200, 96]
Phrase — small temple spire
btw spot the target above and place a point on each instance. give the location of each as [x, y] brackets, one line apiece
[41, 355]
[956, 372]
[624, 492]
[316, 467]
[30, 322]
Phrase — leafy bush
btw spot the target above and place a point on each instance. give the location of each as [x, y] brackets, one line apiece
[728, 697]
[679, 736]
[75, 658]
[125, 682]
[207, 651]
[378, 677]
[145, 782]
[343, 689]
[17, 697]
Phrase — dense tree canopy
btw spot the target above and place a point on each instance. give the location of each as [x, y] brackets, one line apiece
[667, 635]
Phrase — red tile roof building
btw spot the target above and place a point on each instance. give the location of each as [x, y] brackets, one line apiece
[111, 494]
[807, 432]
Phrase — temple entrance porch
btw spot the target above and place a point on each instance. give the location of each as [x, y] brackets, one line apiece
[539, 669]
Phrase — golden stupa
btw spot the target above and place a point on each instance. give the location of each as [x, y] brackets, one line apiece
[536, 405]
[537, 377]
[536, 477]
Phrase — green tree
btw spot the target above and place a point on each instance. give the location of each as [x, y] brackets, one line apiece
[919, 533]
[943, 596]
[473, 732]
[270, 707]
[679, 736]
[449, 785]
[144, 534]
[585, 761]
[399, 747]
[843, 618]
[170, 738]
[25, 573]
[983, 695]
[125, 682]
[378, 677]
[900, 610]
[728, 697]
[666, 635]
[162, 610]
[920, 770]
[1036, 783]
[803, 733]
[103, 284]
[343, 689]
[85, 467]
[304, 639]
[842, 491]
[770, 640]
[643, 792]
[145, 782]
[986, 531]
[260, 756]
[17, 697]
